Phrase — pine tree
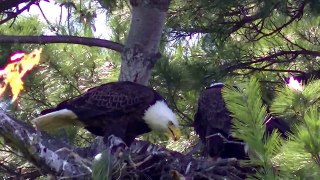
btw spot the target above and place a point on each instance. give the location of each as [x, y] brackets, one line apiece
[296, 157]
[300, 154]
[248, 114]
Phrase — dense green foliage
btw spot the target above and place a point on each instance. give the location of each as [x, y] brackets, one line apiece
[249, 115]
[297, 157]
[300, 154]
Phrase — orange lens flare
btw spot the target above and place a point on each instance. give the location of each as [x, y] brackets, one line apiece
[14, 71]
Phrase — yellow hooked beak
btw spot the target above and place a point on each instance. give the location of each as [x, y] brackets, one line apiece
[174, 131]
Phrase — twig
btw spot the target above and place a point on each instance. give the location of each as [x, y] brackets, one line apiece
[45, 18]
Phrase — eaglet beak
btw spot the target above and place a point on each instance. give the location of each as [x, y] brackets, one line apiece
[174, 131]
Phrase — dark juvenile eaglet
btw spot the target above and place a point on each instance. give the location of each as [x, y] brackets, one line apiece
[212, 122]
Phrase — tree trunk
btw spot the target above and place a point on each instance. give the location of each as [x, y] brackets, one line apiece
[141, 51]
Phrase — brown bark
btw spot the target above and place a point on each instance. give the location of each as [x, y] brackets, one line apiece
[141, 51]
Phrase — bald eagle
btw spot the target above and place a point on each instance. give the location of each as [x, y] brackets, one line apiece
[212, 122]
[124, 109]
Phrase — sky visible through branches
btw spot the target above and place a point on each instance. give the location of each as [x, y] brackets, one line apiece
[102, 31]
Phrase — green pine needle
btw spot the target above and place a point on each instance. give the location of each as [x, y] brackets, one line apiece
[102, 167]
[249, 114]
[300, 154]
[312, 92]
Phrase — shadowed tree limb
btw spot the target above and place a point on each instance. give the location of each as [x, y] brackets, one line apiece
[63, 39]
[12, 15]
[39, 150]
[273, 58]
[8, 4]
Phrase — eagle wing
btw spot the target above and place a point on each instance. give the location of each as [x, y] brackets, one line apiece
[112, 100]
[102, 109]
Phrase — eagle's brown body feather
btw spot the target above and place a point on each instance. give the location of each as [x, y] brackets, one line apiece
[103, 109]
[211, 118]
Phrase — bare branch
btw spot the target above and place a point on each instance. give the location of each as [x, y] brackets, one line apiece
[63, 39]
[297, 15]
[271, 58]
[275, 70]
[46, 19]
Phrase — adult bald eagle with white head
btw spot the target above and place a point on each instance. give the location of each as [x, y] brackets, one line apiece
[124, 109]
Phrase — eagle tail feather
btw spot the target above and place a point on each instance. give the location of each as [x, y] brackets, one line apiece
[56, 120]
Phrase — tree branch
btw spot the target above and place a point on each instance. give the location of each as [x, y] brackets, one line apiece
[271, 57]
[63, 39]
[40, 151]
[8, 4]
[297, 15]
[12, 15]
[274, 70]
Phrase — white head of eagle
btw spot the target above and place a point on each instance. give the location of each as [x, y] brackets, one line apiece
[160, 117]
[124, 109]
